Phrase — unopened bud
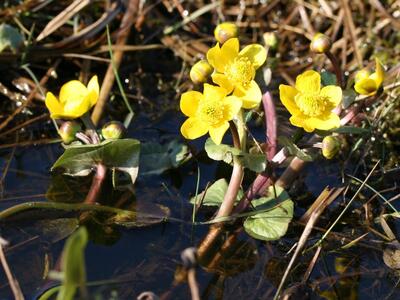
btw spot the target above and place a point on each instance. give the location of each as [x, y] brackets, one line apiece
[68, 130]
[225, 31]
[320, 43]
[330, 146]
[200, 72]
[270, 40]
[113, 130]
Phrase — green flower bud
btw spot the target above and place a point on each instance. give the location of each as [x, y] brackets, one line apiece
[200, 72]
[113, 130]
[270, 40]
[320, 43]
[68, 130]
[330, 146]
[225, 31]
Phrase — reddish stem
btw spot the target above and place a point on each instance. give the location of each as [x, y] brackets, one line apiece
[97, 183]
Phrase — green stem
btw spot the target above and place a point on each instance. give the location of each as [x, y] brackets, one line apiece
[239, 141]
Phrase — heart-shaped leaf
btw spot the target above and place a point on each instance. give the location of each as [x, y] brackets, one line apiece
[273, 215]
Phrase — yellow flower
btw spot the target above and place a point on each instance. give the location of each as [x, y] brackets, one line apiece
[311, 107]
[208, 112]
[368, 84]
[75, 99]
[235, 70]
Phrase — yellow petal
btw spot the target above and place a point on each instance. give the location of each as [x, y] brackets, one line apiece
[250, 95]
[287, 94]
[232, 105]
[73, 90]
[193, 128]
[216, 59]
[212, 92]
[217, 133]
[190, 102]
[379, 75]
[366, 86]
[255, 53]
[308, 82]
[325, 122]
[94, 89]
[222, 81]
[362, 74]
[230, 49]
[333, 93]
[76, 108]
[53, 105]
[300, 121]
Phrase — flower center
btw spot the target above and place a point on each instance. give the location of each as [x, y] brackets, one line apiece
[211, 112]
[312, 104]
[241, 70]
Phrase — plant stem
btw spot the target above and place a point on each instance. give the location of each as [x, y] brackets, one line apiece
[87, 121]
[337, 69]
[239, 141]
[97, 183]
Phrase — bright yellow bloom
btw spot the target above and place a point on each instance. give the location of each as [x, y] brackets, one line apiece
[208, 112]
[75, 99]
[311, 107]
[368, 84]
[235, 70]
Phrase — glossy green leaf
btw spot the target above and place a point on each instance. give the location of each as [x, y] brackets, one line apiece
[10, 38]
[122, 155]
[294, 150]
[274, 215]
[349, 96]
[328, 78]
[156, 158]
[215, 193]
[73, 264]
[256, 162]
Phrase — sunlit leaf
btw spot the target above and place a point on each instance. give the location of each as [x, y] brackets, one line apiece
[215, 193]
[73, 264]
[274, 215]
[122, 155]
[294, 150]
[156, 158]
[10, 38]
[256, 162]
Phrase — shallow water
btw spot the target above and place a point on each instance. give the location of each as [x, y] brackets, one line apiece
[130, 261]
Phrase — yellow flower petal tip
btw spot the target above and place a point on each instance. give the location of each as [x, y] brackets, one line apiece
[208, 112]
[368, 84]
[225, 31]
[235, 70]
[310, 105]
[75, 99]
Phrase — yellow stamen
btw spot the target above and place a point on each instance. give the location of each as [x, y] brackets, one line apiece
[211, 112]
[312, 104]
[240, 71]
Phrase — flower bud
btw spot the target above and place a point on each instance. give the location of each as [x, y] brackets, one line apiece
[225, 31]
[68, 130]
[270, 40]
[330, 146]
[113, 130]
[320, 43]
[200, 72]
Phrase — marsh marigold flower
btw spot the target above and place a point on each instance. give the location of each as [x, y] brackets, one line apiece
[368, 84]
[208, 112]
[75, 99]
[235, 71]
[311, 107]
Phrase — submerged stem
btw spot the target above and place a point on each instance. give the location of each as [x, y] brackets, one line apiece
[97, 183]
